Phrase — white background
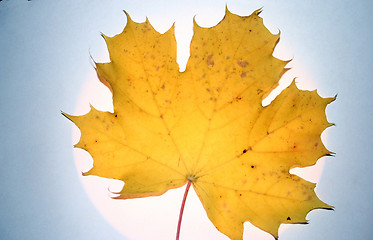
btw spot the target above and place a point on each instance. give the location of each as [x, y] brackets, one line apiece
[45, 67]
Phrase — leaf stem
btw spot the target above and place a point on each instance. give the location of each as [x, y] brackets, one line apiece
[182, 209]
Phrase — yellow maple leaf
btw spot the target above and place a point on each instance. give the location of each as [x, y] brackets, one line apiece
[206, 126]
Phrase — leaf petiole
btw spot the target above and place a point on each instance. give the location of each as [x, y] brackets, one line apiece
[182, 209]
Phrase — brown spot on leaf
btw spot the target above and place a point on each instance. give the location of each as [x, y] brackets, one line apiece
[242, 63]
[209, 60]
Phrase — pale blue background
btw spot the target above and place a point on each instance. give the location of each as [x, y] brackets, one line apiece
[44, 59]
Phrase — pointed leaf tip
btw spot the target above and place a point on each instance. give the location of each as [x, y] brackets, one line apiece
[69, 117]
[259, 11]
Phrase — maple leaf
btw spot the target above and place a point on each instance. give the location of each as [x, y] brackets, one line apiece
[206, 126]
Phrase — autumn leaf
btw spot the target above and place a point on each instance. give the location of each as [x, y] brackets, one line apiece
[206, 126]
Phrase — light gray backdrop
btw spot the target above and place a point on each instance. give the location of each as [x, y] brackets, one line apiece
[45, 49]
